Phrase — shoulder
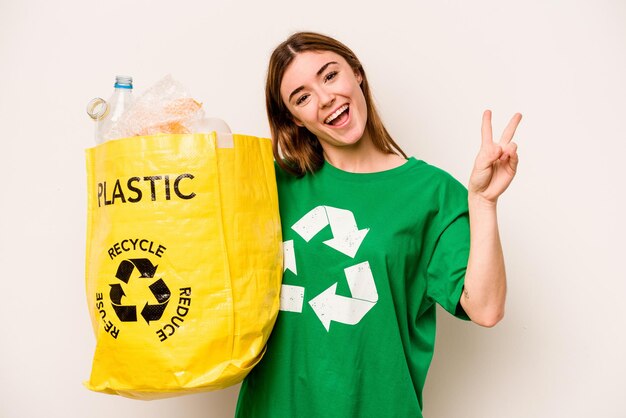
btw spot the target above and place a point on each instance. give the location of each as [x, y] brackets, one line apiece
[435, 176]
[282, 175]
[280, 171]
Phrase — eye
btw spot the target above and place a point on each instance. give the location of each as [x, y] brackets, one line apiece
[300, 100]
[330, 76]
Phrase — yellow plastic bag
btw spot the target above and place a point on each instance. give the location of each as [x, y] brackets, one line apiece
[184, 261]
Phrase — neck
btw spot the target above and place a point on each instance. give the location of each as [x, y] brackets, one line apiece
[362, 157]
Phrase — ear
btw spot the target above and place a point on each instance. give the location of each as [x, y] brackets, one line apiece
[297, 121]
[359, 77]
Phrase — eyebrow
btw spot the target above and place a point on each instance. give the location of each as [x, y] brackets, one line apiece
[320, 71]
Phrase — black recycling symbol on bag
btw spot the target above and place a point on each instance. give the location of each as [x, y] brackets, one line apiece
[128, 313]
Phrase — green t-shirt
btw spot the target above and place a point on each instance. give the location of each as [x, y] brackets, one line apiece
[367, 256]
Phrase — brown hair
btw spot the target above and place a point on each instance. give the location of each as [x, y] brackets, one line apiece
[296, 149]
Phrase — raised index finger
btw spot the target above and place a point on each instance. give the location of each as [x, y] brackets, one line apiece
[487, 136]
[509, 131]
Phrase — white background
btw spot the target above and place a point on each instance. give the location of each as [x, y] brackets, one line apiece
[434, 66]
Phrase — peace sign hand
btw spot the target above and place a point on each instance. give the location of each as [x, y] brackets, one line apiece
[496, 163]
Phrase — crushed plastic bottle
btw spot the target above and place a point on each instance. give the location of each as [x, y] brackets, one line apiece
[106, 113]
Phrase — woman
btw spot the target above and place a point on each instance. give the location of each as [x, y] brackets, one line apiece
[373, 240]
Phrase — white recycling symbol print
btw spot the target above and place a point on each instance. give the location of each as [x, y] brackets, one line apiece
[347, 238]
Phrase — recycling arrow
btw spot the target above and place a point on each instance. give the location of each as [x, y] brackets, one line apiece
[116, 293]
[291, 297]
[329, 306]
[347, 237]
[124, 313]
[162, 294]
[126, 267]
[289, 257]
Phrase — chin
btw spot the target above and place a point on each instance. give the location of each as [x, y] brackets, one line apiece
[352, 137]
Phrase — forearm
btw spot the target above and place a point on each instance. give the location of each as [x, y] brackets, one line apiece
[484, 293]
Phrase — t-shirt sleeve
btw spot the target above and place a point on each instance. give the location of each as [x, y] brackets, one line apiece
[448, 262]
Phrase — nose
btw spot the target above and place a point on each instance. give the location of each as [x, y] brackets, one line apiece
[327, 98]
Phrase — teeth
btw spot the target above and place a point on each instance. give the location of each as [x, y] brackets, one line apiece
[336, 113]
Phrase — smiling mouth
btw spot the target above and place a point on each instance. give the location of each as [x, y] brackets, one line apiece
[338, 117]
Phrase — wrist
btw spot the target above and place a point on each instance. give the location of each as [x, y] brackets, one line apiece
[477, 201]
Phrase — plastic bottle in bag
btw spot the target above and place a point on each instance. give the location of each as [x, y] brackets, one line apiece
[107, 113]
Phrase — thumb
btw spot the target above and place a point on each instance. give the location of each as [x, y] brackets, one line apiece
[511, 150]
[486, 157]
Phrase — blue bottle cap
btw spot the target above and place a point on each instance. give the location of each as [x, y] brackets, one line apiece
[123, 82]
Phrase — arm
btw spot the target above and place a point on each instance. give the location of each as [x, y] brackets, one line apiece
[484, 293]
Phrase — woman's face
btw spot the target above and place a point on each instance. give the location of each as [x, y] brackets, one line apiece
[324, 95]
